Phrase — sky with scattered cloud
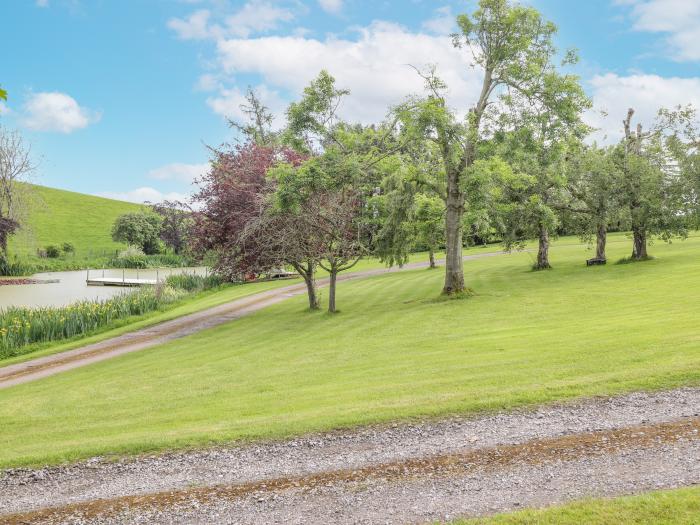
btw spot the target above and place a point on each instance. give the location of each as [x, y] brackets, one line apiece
[121, 99]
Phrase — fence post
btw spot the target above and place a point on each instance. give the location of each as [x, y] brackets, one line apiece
[123, 276]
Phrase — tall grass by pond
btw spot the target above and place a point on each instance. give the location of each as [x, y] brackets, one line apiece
[22, 327]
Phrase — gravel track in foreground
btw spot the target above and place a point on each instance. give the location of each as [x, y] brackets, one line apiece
[398, 474]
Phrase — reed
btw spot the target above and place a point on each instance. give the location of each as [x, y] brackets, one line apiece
[20, 327]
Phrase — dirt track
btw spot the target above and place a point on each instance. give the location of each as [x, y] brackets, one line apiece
[182, 326]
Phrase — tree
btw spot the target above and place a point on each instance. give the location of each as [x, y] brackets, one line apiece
[512, 47]
[332, 190]
[336, 215]
[258, 128]
[3, 94]
[236, 222]
[594, 184]
[653, 185]
[16, 166]
[176, 223]
[139, 229]
[430, 224]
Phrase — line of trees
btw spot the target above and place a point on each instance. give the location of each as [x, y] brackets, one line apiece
[323, 192]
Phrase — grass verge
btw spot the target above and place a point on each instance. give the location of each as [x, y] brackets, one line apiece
[667, 507]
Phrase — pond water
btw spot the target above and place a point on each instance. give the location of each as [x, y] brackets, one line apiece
[72, 286]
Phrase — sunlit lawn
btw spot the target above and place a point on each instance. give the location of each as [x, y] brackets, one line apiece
[394, 352]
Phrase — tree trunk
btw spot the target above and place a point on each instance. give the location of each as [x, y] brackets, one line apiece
[639, 246]
[311, 292]
[543, 251]
[308, 273]
[601, 241]
[331, 291]
[431, 255]
[454, 268]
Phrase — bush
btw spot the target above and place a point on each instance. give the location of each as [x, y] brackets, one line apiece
[14, 268]
[67, 247]
[132, 257]
[52, 251]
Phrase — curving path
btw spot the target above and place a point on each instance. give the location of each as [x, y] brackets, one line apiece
[40, 367]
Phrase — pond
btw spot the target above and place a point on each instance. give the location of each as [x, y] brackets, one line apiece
[72, 286]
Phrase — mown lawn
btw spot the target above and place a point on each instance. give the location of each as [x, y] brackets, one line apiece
[394, 352]
[669, 507]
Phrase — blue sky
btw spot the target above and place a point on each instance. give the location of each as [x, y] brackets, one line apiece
[120, 98]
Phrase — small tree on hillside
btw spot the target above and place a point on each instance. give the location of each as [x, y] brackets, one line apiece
[16, 166]
[139, 229]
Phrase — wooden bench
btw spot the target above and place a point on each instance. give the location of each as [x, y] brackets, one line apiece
[595, 261]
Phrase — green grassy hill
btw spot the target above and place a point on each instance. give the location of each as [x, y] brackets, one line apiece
[394, 352]
[56, 216]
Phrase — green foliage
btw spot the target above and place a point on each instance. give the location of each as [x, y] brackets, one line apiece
[13, 268]
[139, 229]
[312, 120]
[68, 247]
[21, 327]
[52, 251]
[134, 257]
[193, 282]
[3, 94]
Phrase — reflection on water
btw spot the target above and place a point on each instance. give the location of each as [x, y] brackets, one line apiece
[72, 286]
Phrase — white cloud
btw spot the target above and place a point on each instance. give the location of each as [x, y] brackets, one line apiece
[614, 94]
[680, 19]
[42, 3]
[194, 27]
[179, 172]
[207, 82]
[256, 16]
[375, 67]
[331, 6]
[56, 112]
[443, 23]
[4, 109]
[144, 194]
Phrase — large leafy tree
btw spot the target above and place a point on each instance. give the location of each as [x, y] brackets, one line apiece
[654, 189]
[333, 191]
[512, 48]
[594, 185]
[536, 139]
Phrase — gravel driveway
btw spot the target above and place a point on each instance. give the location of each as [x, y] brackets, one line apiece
[409, 473]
